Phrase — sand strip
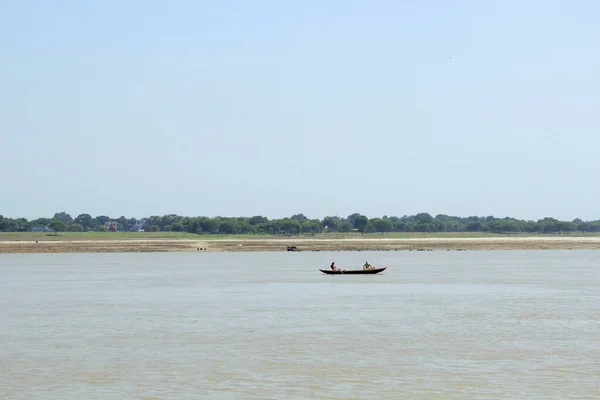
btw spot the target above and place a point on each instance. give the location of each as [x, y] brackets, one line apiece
[302, 244]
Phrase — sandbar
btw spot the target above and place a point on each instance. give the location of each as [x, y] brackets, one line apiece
[232, 244]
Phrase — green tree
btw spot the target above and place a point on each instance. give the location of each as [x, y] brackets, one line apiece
[289, 226]
[64, 217]
[190, 225]
[503, 226]
[263, 228]
[548, 225]
[473, 226]
[330, 223]
[101, 220]
[352, 217]
[360, 223]
[258, 219]
[208, 225]
[6, 224]
[583, 227]
[85, 220]
[566, 226]
[528, 226]
[593, 226]
[344, 226]
[75, 227]
[424, 227]
[299, 217]
[227, 227]
[310, 226]
[382, 225]
[244, 227]
[299, 223]
[423, 218]
[370, 228]
[39, 221]
[58, 226]
[274, 227]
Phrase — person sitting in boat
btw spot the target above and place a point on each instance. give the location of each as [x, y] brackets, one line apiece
[367, 266]
[333, 267]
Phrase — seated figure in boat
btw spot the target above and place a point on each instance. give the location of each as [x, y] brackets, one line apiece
[367, 266]
[333, 267]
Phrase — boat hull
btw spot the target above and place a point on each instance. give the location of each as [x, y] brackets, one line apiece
[353, 271]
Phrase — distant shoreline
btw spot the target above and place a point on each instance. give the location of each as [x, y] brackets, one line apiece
[232, 244]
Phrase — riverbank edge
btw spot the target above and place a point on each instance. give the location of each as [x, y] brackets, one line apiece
[301, 244]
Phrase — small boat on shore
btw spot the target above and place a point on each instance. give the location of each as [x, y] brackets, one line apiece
[352, 271]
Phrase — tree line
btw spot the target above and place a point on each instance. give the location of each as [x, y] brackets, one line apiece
[297, 224]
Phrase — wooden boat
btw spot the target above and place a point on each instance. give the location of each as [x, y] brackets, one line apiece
[352, 271]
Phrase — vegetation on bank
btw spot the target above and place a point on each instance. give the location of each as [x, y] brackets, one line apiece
[99, 236]
[358, 224]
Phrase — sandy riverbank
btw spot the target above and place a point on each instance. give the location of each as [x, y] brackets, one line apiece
[354, 244]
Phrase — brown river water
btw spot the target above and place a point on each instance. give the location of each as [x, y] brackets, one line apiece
[435, 325]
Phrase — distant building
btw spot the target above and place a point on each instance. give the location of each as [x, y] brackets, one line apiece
[137, 227]
[41, 229]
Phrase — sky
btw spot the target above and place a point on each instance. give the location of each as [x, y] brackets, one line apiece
[256, 107]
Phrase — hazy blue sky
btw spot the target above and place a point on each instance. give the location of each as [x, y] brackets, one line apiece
[320, 107]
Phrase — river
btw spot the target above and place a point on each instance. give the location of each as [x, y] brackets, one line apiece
[435, 325]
